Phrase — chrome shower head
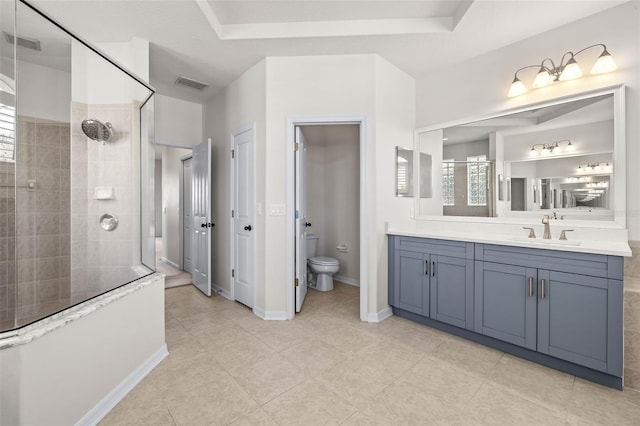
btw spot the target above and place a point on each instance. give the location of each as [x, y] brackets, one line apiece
[97, 130]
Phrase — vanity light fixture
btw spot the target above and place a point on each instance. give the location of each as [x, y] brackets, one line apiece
[569, 70]
[550, 148]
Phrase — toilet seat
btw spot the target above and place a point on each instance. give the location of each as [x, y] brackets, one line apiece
[323, 261]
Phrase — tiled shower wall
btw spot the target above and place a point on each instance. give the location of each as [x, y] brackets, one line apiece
[102, 260]
[7, 245]
[42, 219]
[632, 317]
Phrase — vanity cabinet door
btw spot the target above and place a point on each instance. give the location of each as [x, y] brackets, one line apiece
[577, 321]
[505, 303]
[412, 281]
[452, 290]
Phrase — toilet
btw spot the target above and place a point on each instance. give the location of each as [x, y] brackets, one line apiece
[320, 267]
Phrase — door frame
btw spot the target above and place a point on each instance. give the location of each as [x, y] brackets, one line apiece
[256, 210]
[181, 207]
[292, 122]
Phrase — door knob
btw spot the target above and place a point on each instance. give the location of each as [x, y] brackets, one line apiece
[247, 228]
[307, 224]
[204, 225]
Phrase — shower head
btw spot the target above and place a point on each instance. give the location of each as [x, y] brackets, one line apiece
[97, 130]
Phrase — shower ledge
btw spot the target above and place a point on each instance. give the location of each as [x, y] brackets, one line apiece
[46, 325]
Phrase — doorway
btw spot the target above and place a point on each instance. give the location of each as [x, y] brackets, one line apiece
[169, 207]
[334, 244]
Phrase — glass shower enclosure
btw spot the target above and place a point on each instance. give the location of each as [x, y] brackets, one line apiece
[76, 170]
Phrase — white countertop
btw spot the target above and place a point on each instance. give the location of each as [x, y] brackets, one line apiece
[609, 243]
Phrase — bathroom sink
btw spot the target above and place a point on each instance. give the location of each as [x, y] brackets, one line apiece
[543, 242]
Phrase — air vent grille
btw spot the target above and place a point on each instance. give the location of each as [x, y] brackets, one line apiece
[189, 82]
[23, 42]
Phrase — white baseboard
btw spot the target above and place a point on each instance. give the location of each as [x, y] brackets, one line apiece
[107, 403]
[168, 262]
[380, 315]
[350, 281]
[222, 292]
[270, 315]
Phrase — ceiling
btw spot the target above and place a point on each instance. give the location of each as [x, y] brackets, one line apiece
[216, 41]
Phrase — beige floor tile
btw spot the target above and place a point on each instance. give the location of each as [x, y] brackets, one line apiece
[468, 355]
[604, 405]
[285, 335]
[348, 339]
[496, 405]
[151, 414]
[218, 403]
[257, 417]
[226, 366]
[542, 385]
[268, 378]
[314, 357]
[309, 403]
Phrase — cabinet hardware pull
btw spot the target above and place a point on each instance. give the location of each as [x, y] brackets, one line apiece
[426, 267]
[433, 269]
[530, 286]
[542, 294]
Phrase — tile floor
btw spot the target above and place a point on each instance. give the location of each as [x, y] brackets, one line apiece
[326, 367]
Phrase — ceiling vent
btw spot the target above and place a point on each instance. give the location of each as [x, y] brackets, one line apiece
[189, 82]
[23, 42]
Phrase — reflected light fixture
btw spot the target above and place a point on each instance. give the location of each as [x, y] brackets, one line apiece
[551, 148]
[595, 167]
[549, 73]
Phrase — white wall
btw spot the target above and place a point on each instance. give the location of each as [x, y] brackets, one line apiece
[171, 202]
[458, 92]
[157, 199]
[311, 86]
[177, 122]
[284, 87]
[44, 92]
[241, 103]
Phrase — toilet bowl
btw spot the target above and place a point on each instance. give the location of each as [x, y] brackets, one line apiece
[321, 268]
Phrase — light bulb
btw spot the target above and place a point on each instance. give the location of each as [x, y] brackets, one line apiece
[517, 88]
[605, 63]
[571, 71]
[533, 152]
[570, 147]
[542, 79]
[580, 169]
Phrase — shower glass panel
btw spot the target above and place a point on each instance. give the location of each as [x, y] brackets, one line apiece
[73, 229]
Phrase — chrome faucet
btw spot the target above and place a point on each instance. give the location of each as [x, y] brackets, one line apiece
[547, 232]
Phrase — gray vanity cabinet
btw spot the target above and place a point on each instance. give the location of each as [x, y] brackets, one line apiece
[433, 278]
[505, 303]
[552, 308]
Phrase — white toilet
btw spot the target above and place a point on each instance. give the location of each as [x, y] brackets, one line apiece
[321, 268]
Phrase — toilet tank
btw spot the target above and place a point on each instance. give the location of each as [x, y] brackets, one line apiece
[312, 245]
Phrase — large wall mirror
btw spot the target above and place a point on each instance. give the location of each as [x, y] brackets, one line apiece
[564, 157]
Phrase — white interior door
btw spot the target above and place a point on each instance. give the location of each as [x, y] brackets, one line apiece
[244, 217]
[202, 225]
[187, 215]
[301, 221]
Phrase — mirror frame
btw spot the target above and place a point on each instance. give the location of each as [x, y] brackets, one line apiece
[619, 154]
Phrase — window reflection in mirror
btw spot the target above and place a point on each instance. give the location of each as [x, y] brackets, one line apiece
[404, 172]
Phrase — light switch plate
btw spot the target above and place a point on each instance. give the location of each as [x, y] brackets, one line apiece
[278, 209]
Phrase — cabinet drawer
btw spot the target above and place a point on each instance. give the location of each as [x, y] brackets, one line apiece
[596, 265]
[433, 246]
